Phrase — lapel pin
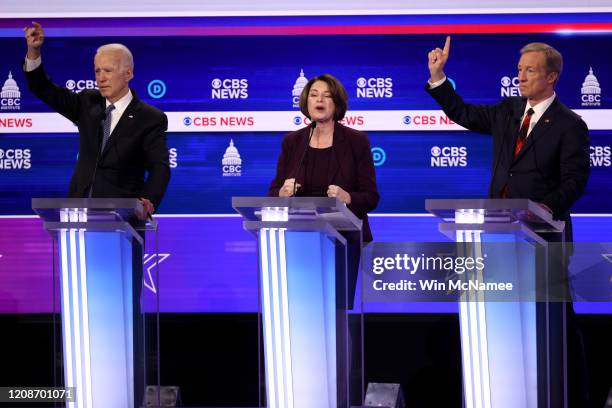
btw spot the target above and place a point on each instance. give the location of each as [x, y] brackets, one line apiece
[546, 120]
[131, 116]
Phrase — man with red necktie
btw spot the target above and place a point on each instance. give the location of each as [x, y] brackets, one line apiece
[540, 152]
[543, 156]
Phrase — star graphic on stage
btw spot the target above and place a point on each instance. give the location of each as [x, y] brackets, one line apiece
[608, 257]
[150, 262]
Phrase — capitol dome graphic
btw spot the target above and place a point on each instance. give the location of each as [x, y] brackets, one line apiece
[231, 155]
[298, 87]
[10, 88]
[590, 86]
[231, 161]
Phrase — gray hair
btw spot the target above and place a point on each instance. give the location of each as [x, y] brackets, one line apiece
[553, 58]
[127, 60]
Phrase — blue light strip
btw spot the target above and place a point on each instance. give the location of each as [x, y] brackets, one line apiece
[285, 311]
[277, 322]
[270, 355]
[66, 314]
[76, 313]
[299, 311]
[473, 331]
[85, 308]
[279, 378]
[97, 317]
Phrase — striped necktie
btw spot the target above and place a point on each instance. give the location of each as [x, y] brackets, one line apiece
[106, 129]
[522, 134]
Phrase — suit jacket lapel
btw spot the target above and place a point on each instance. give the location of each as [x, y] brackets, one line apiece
[125, 122]
[300, 152]
[340, 149]
[96, 112]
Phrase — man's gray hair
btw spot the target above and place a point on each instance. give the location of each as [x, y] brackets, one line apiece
[553, 58]
[127, 60]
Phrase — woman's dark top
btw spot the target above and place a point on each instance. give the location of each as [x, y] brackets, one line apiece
[317, 169]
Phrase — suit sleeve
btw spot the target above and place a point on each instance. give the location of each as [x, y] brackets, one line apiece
[61, 100]
[156, 161]
[282, 168]
[477, 118]
[575, 168]
[365, 198]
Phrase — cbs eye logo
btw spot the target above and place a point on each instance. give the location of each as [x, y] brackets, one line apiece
[216, 83]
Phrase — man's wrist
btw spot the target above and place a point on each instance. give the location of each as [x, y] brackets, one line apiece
[32, 64]
[436, 83]
[33, 54]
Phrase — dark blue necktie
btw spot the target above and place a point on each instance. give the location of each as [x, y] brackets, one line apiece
[106, 130]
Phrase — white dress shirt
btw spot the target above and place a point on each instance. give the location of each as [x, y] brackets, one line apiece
[538, 111]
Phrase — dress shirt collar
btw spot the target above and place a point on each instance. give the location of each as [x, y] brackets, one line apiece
[122, 104]
[540, 108]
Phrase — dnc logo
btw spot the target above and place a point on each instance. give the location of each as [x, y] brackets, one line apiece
[156, 89]
[379, 156]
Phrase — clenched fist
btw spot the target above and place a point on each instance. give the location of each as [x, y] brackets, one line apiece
[35, 36]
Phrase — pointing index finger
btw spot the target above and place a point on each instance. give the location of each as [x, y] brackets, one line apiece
[446, 49]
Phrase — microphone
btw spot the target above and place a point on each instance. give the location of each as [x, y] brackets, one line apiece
[102, 118]
[313, 125]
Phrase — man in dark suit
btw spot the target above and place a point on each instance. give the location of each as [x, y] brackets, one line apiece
[540, 152]
[551, 166]
[115, 165]
[122, 139]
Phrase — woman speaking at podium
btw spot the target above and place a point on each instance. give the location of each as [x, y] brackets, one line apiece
[328, 159]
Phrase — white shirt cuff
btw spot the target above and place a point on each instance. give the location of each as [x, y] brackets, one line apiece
[436, 84]
[31, 65]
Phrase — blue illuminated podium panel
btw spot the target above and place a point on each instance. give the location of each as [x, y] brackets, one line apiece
[304, 298]
[98, 308]
[512, 351]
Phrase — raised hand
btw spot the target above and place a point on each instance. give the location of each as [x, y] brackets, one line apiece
[35, 36]
[437, 59]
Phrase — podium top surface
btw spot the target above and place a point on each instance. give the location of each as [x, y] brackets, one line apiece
[86, 209]
[288, 209]
[494, 210]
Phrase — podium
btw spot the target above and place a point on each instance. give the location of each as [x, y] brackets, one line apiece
[100, 297]
[304, 295]
[513, 351]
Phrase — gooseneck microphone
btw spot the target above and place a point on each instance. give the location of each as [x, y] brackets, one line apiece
[93, 177]
[313, 125]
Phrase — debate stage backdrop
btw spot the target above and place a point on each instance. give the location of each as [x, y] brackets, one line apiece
[230, 88]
